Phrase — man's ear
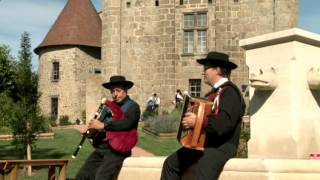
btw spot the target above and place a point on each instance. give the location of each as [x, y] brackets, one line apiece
[219, 70]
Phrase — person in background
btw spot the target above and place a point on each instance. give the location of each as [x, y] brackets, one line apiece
[178, 98]
[185, 93]
[153, 103]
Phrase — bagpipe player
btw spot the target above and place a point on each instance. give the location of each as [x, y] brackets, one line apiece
[121, 133]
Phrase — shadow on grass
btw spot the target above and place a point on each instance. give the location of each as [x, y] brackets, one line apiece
[10, 152]
[48, 153]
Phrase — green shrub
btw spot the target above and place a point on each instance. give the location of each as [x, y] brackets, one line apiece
[5, 130]
[149, 114]
[46, 124]
[165, 123]
[78, 121]
[53, 122]
[245, 133]
[6, 113]
[64, 120]
[243, 144]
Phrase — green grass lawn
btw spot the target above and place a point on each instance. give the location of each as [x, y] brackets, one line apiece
[159, 147]
[65, 143]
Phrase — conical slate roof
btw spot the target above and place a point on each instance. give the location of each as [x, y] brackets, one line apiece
[77, 24]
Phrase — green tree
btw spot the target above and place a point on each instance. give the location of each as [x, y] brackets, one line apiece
[27, 121]
[6, 112]
[7, 74]
[7, 88]
[27, 80]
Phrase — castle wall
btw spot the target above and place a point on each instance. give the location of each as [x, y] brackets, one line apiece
[144, 42]
[138, 42]
[94, 94]
[186, 64]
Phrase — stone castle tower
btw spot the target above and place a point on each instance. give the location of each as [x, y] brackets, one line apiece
[69, 55]
[155, 44]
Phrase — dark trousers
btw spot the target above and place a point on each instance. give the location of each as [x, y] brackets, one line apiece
[209, 165]
[102, 164]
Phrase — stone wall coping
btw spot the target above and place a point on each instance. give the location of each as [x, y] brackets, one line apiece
[274, 165]
[144, 162]
[294, 34]
[240, 165]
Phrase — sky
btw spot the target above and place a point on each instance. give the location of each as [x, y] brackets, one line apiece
[37, 16]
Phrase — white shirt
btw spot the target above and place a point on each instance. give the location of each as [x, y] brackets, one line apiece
[220, 82]
[155, 99]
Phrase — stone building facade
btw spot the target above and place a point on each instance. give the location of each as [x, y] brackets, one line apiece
[155, 44]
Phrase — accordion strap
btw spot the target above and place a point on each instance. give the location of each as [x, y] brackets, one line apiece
[216, 100]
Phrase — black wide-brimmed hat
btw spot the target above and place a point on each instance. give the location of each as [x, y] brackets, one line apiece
[219, 59]
[118, 80]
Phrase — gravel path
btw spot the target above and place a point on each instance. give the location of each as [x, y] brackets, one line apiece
[137, 152]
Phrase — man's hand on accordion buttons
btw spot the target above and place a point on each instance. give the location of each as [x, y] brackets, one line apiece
[189, 120]
[96, 124]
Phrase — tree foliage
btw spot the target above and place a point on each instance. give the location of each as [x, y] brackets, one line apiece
[26, 120]
[6, 112]
[7, 73]
[26, 80]
[7, 88]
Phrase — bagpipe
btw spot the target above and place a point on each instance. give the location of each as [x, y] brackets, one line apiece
[121, 141]
[194, 138]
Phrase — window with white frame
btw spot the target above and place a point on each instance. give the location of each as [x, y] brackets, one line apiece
[195, 87]
[202, 41]
[188, 42]
[195, 33]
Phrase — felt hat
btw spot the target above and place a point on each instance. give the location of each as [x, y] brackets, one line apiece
[118, 80]
[217, 59]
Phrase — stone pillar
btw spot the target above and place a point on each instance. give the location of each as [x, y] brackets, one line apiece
[284, 95]
[111, 37]
[94, 94]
